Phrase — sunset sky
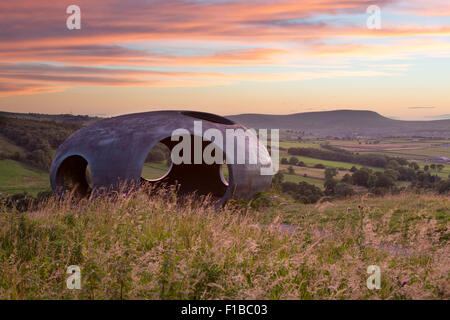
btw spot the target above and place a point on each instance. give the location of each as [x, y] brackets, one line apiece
[226, 57]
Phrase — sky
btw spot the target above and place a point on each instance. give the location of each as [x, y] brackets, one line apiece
[226, 57]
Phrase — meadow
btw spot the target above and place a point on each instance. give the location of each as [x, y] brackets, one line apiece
[17, 177]
[152, 244]
[137, 246]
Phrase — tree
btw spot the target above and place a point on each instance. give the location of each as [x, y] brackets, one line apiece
[414, 166]
[293, 161]
[330, 186]
[393, 174]
[343, 190]
[278, 179]
[330, 173]
[303, 191]
[291, 170]
[384, 181]
[361, 177]
[392, 164]
[444, 186]
[284, 161]
[347, 178]
[330, 183]
[406, 174]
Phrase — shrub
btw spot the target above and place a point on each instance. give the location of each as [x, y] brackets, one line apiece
[303, 191]
[343, 190]
[293, 161]
[444, 186]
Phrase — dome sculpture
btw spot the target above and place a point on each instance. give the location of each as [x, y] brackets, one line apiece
[116, 148]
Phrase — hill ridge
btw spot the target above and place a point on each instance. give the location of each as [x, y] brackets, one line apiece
[345, 122]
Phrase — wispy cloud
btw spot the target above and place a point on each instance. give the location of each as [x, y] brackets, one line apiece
[137, 43]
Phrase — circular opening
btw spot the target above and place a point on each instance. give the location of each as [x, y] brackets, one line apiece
[224, 174]
[208, 117]
[74, 176]
[190, 175]
[157, 164]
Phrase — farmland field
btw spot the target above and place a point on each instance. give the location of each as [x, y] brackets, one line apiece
[298, 178]
[16, 177]
[407, 148]
[310, 162]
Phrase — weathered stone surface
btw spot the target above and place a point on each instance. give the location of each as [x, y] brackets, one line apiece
[116, 149]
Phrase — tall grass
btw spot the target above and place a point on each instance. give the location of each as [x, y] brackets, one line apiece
[136, 246]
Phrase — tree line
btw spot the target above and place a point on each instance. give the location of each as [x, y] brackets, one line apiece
[38, 138]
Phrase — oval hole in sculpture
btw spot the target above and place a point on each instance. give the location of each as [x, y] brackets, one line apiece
[201, 178]
[72, 177]
[157, 164]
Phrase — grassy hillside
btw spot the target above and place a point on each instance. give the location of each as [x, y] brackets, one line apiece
[17, 177]
[8, 147]
[136, 246]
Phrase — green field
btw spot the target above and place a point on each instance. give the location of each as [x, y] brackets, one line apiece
[297, 178]
[154, 170]
[16, 177]
[310, 162]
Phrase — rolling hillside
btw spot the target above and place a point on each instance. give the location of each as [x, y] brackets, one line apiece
[17, 177]
[346, 123]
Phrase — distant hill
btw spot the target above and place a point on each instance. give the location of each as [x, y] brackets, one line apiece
[338, 123]
[341, 123]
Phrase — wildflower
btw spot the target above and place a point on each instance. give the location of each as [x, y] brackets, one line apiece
[404, 283]
[124, 195]
[348, 209]
[273, 197]
[150, 203]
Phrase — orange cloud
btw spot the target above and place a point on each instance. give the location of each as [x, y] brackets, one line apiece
[39, 53]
